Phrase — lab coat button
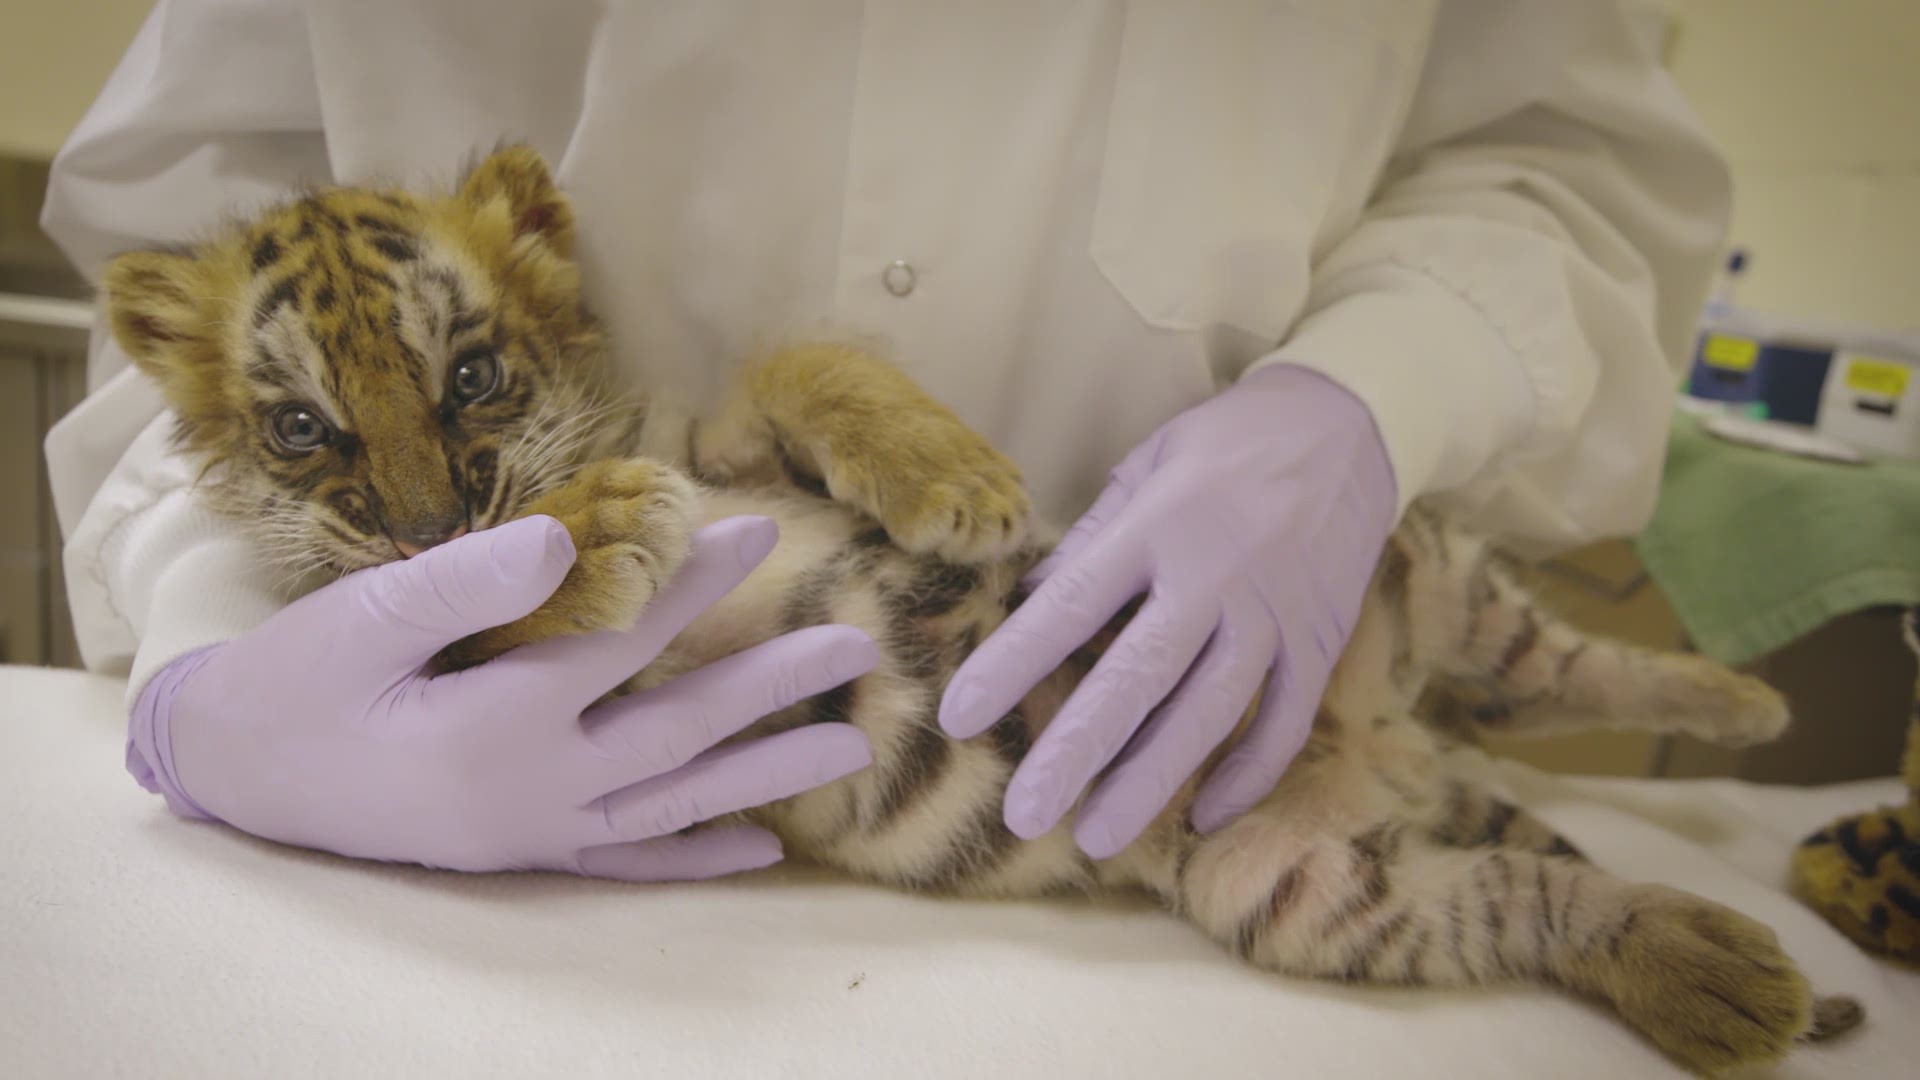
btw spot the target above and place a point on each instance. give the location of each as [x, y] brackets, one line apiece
[898, 277]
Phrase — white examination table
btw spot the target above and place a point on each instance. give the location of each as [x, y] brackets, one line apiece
[134, 944]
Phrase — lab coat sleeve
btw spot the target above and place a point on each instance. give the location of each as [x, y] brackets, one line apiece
[1515, 302]
[212, 109]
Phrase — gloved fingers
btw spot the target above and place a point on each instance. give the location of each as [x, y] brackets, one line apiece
[724, 554]
[693, 856]
[658, 730]
[1143, 665]
[1196, 718]
[1279, 729]
[1104, 509]
[565, 675]
[1063, 614]
[734, 778]
[395, 617]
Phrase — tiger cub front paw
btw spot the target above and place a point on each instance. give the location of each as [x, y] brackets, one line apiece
[631, 522]
[632, 526]
[942, 491]
[876, 441]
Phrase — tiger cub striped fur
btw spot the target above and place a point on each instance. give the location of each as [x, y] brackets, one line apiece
[367, 372]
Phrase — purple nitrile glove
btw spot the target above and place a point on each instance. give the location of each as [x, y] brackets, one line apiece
[322, 728]
[1252, 523]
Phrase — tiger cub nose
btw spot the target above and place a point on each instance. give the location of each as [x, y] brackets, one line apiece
[414, 542]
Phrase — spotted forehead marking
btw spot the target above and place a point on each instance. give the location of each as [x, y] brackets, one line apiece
[437, 316]
[354, 284]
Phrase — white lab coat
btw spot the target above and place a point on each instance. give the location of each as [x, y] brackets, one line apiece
[1494, 221]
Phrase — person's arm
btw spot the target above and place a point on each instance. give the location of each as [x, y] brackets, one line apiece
[1516, 304]
[1500, 328]
[212, 109]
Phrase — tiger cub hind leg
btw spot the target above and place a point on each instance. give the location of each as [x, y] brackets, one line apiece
[1388, 904]
[1472, 817]
[1500, 662]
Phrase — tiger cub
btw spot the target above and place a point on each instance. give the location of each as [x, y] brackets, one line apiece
[369, 372]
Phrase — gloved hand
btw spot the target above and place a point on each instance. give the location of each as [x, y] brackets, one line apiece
[1252, 523]
[321, 727]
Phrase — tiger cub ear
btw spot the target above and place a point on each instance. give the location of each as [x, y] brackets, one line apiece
[516, 177]
[153, 307]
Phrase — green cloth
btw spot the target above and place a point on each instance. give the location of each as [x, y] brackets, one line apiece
[1755, 548]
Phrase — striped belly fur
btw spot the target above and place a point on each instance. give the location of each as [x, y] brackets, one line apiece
[1367, 862]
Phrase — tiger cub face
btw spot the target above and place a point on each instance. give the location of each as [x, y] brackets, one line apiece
[370, 373]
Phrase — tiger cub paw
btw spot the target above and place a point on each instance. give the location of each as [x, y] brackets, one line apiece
[631, 522]
[836, 417]
[1733, 709]
[942, 490]
[1708, 985]
[632, 527]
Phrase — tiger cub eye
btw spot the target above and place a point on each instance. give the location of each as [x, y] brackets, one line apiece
[300, 429]
[475, 377]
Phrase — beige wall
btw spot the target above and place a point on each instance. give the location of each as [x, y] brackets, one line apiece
[1817, 105]
[54, 56]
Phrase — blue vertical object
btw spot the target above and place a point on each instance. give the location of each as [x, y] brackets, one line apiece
[1723, 364]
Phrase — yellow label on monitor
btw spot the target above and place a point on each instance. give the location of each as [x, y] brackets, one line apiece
[1730, 353]
[1886, 378]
